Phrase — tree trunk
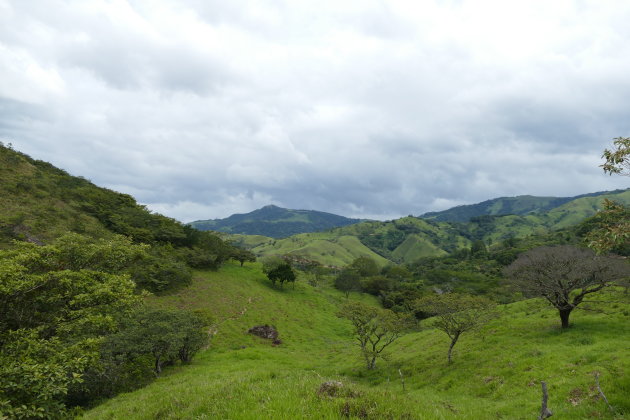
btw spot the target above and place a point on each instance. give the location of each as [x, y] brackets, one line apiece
[372, 363]
[450, 348]
[158, 366]
[564, 316]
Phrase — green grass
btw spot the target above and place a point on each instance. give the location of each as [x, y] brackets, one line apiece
[495, 373]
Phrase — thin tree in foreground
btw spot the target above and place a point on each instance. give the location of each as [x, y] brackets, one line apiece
[564, 275]
[374, 328]
[456, 314]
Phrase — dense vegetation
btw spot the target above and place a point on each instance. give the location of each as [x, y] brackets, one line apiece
[275, 222]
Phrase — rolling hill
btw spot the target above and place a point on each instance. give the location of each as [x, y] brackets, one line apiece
[407, 239]
[275, 222]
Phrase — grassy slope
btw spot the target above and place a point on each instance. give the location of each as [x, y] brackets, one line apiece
[494, 375]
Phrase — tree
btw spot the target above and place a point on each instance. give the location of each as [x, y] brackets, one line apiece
[348, 281]
[610, 229]
[164, 334]
[613, 226]
[564, 275]
[618, 158]
[455, 314]
[282, 273]
[56, 304]
[365, 266]
[374, 328]
[243, 255]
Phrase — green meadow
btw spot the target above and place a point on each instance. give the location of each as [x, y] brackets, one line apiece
[495, 374]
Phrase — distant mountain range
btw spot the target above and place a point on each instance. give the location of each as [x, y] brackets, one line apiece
[520, 205]
[275, 222]
[407, 239]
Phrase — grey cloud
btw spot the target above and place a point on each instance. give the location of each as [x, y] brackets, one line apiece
[351, 107]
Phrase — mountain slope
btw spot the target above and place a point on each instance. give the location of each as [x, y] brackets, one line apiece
[520, 205]
[275, 222]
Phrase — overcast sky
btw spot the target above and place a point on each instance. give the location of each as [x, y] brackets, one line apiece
[379, 109]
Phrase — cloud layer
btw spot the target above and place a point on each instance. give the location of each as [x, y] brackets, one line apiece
[201, 109]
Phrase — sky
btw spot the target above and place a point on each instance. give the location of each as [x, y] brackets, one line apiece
[373, 109]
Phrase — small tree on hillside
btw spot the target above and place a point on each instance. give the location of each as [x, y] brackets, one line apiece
[348, 281]
[374, 328]
[564, 275]
[243, 256]
[456, 314]
[282, 273]
[365, 266]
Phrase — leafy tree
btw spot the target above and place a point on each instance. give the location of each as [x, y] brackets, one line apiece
[564, 275]
[375, 329]
[609, 229]
[164, 334]
[365, 266]
[376, 285]
[282, 273]
[618, 158]
[612, 224]
[243, 255]
[456, 314]
[56, 304]
[348, 280]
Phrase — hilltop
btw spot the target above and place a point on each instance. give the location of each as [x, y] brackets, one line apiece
[275, 222]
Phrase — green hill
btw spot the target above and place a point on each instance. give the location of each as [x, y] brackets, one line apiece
[275, 222]
[496, 373]
[407, 239]
[521, 205]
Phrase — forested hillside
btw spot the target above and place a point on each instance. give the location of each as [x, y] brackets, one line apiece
[521, 205]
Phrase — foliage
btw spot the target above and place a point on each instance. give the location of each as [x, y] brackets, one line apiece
[56, 302]
[278, 269]
[348, 280]
[375, 329]
[365, 266]
[243, 256]
[282, 273]
[618, 158]
[609, 229]
[456, 314]
[564, 275]
[165, 335]
[41, 203]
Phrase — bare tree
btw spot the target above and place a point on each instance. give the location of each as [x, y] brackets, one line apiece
[564, 275]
